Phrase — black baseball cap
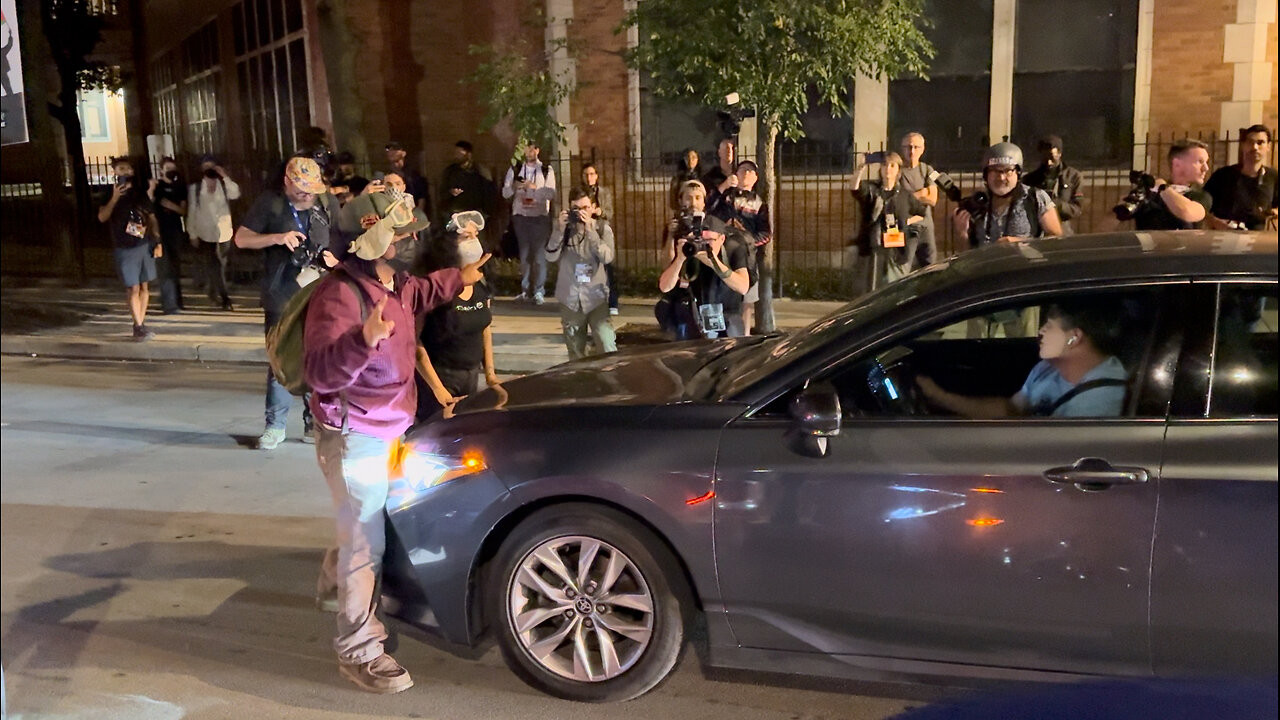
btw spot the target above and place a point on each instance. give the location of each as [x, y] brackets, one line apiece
[345, 158]
[394, 145]
[463, 144]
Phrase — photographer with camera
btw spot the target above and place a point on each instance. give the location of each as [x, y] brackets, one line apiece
[531, 188]
[1245, 194]
[1181, 204]
[129, 212]
[890, 214]
[706, 274]
[290, 225]
[583, 245]
[1009, 210]
[742, 209]
[722, 176]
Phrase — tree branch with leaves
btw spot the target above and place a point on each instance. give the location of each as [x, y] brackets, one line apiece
[771, 52]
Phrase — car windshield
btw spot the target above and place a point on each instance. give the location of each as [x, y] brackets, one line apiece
[741, 369]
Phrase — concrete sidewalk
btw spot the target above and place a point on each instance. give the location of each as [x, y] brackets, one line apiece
[40, 318]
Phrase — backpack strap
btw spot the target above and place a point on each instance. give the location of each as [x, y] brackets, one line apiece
[364, 316]
[1084, 387]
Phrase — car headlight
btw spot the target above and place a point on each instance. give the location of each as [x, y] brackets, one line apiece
[423, 471]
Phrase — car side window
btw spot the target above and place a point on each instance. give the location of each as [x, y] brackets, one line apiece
[1244, 377]
[1089, 354]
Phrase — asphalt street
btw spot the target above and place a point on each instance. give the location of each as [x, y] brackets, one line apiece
[155, 567]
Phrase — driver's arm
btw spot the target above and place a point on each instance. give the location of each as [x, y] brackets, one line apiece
[972, 407]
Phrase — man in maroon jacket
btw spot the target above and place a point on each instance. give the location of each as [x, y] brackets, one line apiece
[359, 362]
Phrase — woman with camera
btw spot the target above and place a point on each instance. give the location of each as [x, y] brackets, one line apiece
[706, 274]
[889, 209]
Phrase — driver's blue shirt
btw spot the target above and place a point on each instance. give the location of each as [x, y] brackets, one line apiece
[1045, 385]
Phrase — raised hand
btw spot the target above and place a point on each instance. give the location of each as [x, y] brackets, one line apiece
[471, 274]
[376, 328]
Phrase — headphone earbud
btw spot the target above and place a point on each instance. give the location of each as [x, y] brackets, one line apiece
[1071, 340]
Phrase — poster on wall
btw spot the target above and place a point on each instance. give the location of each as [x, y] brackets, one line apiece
[13, 109]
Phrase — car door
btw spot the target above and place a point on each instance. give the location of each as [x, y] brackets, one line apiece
[1214, 587]
[939, 538]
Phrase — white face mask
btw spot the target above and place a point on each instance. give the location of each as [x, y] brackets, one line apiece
[470, 251]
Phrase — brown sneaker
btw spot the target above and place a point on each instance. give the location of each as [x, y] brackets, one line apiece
[381, 675]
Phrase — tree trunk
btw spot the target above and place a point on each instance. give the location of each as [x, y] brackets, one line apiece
[66, 115]
[765, 148]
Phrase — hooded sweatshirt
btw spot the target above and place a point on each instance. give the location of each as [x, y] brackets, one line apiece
[381, 396]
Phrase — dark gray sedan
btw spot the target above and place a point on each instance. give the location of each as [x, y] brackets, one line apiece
[813, 504]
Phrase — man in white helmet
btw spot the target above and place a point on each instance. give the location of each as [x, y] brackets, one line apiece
[1009, 211]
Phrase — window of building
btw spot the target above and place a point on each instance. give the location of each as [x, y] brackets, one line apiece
[1074, 77]
[952, 108]
[271, 68]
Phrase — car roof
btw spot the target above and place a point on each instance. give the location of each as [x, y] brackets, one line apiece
[1117, 256]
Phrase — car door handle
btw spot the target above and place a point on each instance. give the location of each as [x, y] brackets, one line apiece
[1092, 474]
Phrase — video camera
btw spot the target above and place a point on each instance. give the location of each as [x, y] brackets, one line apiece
[730, 119]
[972, 204]
[1139, 195]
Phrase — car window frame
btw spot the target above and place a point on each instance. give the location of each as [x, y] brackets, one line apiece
[1192, 396]
[952, 314]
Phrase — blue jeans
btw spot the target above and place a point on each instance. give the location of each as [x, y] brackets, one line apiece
[279, 399]
[532, 233]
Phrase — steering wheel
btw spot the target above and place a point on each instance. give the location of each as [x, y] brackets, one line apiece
[896, 381]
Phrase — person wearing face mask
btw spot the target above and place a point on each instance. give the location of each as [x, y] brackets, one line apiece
[359, 346]
[129, 213]
[1077, 376]
[455, 341]
[291, 226]
[1009, 210]
[171, 208]
[209, 225]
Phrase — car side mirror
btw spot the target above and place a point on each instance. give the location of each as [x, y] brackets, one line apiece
[816, 411]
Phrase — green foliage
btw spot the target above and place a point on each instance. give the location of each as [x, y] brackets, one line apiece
[100, 76]
[515, 80]
[770, 51]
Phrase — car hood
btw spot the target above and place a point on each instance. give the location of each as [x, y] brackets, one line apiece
[651, 375]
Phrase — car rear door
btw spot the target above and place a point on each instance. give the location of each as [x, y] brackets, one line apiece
[1214, 575]
[939, 539]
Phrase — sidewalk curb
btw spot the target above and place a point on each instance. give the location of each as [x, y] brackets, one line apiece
[515, 360]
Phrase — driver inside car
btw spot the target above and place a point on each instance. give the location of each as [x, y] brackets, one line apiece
[1077, 375]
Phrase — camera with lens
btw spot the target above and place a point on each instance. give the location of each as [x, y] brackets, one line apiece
[317, 240]
[690, 231]
[1139, 195]
[972, 204]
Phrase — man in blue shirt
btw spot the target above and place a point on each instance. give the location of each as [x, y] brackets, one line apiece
[1076, 375]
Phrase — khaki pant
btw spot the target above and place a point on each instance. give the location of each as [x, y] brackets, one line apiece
[575, 324]
[356, 468]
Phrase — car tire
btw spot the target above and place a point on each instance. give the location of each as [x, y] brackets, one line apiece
[635, 632]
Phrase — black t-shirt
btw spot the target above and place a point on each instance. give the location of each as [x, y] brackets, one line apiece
[453, 334]
[1153, 215]
[706, 286]
[1245, 199]
[272, 213]
[170, 221]
[130, 213]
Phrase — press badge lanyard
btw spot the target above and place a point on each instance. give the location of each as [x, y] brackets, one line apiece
[297, 220]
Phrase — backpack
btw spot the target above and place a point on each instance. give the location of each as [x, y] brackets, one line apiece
[285, 350]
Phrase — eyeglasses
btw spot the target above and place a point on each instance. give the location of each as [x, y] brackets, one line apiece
[1003, 170]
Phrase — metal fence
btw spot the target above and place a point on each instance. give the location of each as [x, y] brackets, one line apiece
[816, 215]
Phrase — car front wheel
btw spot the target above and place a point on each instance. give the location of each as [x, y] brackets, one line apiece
[583, 605]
